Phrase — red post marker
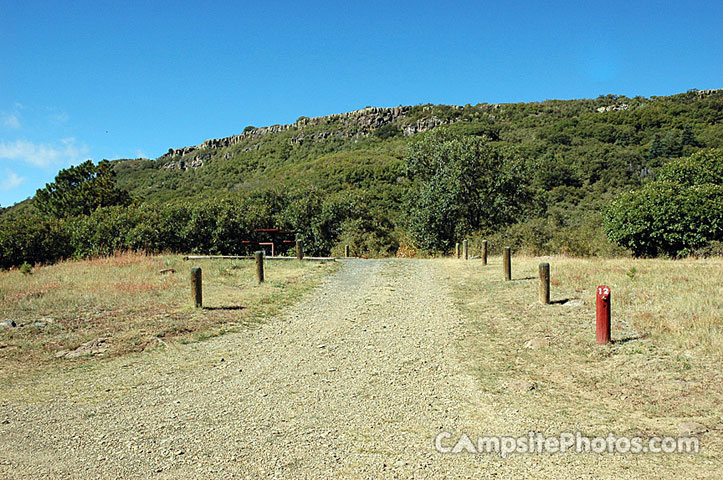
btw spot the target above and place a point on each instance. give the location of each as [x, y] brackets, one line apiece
[603, 315]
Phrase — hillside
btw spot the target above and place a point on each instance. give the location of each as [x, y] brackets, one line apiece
[577, 155]
[541, 177]
[607, 140]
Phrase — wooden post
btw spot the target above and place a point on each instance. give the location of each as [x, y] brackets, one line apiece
[259, 266]
[196, 287]
[506, 264]
[484, 252]
[545, 283]
[299, 251]
[602, 324]
[346, 251]
[465, 249]
[456, 249]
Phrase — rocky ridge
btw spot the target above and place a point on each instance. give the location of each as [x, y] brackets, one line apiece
[353, 124]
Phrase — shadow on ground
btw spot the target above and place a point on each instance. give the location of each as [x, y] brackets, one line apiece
[230, 307]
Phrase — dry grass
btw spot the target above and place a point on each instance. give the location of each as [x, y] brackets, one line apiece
[662, 369]
[127, 300]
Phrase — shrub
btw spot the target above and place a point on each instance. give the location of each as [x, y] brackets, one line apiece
[32, 239]
[666, 218]
[681, 212]
[367, 237]
[103, 232]
[698, 169]
[713, 249]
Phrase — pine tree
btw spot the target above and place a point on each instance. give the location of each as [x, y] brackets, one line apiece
[80, 190]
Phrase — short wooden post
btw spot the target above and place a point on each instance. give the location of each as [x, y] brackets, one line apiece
[484, 252]
[346, 251]
[196, 287]
[602, 324]
[299, 250]
[545, 283]
[506, 264]
[456, 249]
[465, 249]
[259, 266]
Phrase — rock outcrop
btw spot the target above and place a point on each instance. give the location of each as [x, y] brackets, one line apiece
[345, 125]
[709, 91]
[613, 108]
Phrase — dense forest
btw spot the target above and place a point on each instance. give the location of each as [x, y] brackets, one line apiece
[606, 176]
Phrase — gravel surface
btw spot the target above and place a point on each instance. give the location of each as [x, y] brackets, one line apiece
[354, 381]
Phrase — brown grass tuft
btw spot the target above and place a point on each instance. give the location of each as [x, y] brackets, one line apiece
[662, 369]
[125, 297]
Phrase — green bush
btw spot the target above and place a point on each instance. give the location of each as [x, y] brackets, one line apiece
[32, 239]
[666, 218]
[676, 215]
[103, 232]
[698, 169]
[367, 237]
[208, 227]
[713, 249]
[576, 233]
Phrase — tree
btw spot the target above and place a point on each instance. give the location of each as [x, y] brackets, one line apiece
[687, 137]
[80, 190]
[461, 184]
[672, 145]
[657, 149]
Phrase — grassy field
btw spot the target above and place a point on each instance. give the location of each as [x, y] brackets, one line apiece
[662, 370]
[124, 303]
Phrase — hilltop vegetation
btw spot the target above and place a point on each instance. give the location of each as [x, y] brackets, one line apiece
[538, 176]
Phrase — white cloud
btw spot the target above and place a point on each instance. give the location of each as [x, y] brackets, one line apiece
[11, 120]
[13, 180]
[44, 156]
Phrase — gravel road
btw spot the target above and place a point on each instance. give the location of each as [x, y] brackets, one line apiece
[353, 382]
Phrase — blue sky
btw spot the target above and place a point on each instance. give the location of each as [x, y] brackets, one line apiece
[130, 79]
